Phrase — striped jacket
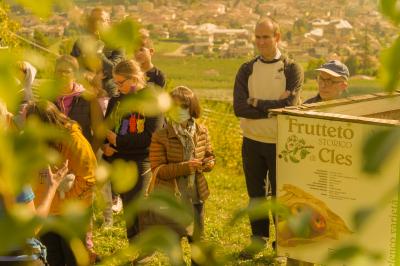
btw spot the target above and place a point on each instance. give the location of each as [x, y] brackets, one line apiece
[167, 150]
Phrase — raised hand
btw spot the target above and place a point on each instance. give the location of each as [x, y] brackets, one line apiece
[59, 174]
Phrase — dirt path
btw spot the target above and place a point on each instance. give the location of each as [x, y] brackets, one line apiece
[178, 52]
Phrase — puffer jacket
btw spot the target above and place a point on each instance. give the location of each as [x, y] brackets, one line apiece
[167, 150]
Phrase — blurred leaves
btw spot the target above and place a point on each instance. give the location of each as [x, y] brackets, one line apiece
[162, 239]
[378, 147]
[348, 252]
[345, 253]
[24, 155]
[158, 238]
[72, 224]
[123, 35]
[123, 175]
[391, 9]
[45, 8]
[15, 230]
[157, 202]
[9, 86]
[206, 254]
[80, 252]
[150, 102]
[48, 89]
[361, 216]
[258, 209]
[92, 49]
[390, 66]
[300, 224]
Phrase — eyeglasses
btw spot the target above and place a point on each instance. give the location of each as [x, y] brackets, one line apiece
[120, 83]
[328, 81]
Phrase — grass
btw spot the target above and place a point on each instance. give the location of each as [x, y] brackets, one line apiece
[228, 194]
[196, 72]
[199, 72]
[162, 47]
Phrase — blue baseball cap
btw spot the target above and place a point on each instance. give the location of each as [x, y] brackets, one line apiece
[335, 68]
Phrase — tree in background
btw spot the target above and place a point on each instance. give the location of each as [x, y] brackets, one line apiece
[313, 64]
[7, 27]
[353, 63]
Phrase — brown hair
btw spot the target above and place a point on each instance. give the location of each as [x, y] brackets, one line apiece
[268, 20]
[70, 60]
[47, 112]
[131, 69]
[188, 98]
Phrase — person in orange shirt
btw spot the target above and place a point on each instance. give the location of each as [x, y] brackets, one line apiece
[77, 185]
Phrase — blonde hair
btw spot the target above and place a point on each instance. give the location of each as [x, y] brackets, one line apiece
[130, 69]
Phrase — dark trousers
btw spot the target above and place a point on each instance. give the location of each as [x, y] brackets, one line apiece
[198, 230]
[58, 251]
[144, 172]
[259, 161]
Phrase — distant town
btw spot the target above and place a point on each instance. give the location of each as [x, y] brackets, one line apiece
[352, 31]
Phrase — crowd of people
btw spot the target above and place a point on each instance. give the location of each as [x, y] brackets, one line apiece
[174, 145]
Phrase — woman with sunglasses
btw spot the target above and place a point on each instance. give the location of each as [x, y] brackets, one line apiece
[130, 135]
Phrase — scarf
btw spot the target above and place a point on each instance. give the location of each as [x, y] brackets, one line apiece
[186, 137]
[64, 102]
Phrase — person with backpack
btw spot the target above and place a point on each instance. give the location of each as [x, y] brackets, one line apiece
[268, 81]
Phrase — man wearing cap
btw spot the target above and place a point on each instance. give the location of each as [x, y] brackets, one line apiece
[268, 81]
[332, 81]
